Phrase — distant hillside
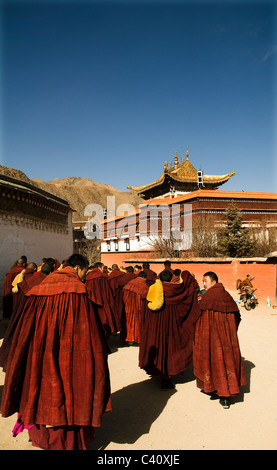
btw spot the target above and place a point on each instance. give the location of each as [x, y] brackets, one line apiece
[77, 191]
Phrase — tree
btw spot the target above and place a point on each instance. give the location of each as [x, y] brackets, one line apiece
[233, 239]
[91, 250]
[164, 247]
[204, 236]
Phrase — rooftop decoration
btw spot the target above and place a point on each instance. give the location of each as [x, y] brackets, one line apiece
[181, 176]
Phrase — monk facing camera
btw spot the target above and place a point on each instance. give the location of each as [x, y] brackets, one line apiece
[217, 361]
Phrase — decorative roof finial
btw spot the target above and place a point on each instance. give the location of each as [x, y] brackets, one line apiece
[165, 166]
[176, 159]
[187, 154]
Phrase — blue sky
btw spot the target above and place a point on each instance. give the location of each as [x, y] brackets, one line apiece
[110, 90]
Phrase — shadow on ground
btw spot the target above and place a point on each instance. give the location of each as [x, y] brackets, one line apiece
[135, 408]
[248, 366]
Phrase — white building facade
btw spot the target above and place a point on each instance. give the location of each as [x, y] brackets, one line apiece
[33, 223]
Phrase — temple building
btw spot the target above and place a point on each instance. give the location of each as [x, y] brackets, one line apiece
[128, 236]
[178, 179]
[195, 195]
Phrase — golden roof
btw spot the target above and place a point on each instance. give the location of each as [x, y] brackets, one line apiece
[184, 175]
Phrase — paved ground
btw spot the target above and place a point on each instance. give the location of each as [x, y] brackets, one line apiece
[147, 418]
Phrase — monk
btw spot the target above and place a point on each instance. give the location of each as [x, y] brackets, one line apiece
[18, 306]
[44, 260]
[134, 293]
[101, 294]
[176, 277]
[114, 278]
[167, 327]
[24, 274]
[218, 366]
[117, 279]
[151, 275]
[7, 287]
[129, 275]
[105, 271]
[57, 375]
[48, 261]
[167, 267]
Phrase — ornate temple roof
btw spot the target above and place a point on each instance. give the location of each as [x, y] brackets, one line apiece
[182, 177]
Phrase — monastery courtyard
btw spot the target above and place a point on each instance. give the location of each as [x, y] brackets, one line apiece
[147, 418]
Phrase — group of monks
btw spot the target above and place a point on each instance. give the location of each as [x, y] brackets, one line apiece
[61, 318]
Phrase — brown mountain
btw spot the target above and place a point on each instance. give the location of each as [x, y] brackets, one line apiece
[77, 191]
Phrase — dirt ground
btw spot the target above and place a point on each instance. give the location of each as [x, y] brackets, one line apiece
[146, 418]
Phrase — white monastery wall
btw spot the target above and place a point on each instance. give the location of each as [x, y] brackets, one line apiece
[34, 239]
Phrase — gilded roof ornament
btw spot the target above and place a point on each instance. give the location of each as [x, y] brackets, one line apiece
[183, 176]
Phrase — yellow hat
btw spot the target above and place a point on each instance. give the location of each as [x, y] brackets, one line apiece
[155, 295]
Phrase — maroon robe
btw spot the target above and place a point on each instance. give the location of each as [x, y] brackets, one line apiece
[117, 280]
[114, 279]
[151, 276]
[58, 347]
[18, 306]
[101, 294]
[134, 292]
[166, 335]
[217, 359]
[31, 281]
[7, 289]
[29, 272]
[175, 279]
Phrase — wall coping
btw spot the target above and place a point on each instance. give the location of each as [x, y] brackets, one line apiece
[13, 183]
[198, 260]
